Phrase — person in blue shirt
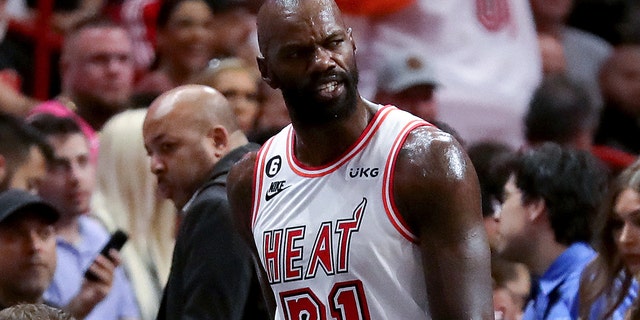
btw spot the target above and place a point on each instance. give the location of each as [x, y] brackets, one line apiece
[608, 286]
[550, 199]
[68, 186]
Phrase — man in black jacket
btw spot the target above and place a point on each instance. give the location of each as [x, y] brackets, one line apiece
[192, 139]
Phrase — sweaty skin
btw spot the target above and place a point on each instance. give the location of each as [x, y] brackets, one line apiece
[308, 53]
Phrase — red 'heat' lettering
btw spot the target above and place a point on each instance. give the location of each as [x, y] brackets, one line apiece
[271, 240]
[322, 252]
[292, 254]
[346, 228]
[282, 255]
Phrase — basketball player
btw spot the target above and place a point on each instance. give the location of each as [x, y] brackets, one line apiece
[356, 210]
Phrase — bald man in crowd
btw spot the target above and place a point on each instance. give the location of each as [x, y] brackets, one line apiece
[193, 139]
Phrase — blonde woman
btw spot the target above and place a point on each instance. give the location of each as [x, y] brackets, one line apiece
[126, 198]
[239, 83]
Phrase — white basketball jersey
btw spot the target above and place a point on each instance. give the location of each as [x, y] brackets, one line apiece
[330, 238]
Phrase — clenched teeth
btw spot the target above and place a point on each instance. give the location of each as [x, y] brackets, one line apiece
[328, 87]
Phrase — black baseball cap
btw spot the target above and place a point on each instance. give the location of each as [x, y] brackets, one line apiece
[14, 200]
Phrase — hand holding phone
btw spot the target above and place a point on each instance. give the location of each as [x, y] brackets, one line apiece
[117, 240]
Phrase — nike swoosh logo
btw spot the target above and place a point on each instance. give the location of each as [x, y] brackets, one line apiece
[270, 194]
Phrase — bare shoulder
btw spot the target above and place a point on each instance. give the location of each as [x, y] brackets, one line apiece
[431, 155]
[434, 180]
[239, 189]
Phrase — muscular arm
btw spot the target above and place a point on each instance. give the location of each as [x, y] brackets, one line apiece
[437, 192]
[239, 191]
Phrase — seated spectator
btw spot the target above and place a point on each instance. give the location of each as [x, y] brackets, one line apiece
[27, 247]
[235, 29]
[26, 311]
[561, 111]
[608, 284]
[550, 201]
[127, 198]
[183, 38]
[272, 114]
[490, 160]
[584, 52]
[620, 82]
[511, 280]
[97, 76]
[408, 82]
[239, 83]
[511, 288]
[24, 155]
[68, 187]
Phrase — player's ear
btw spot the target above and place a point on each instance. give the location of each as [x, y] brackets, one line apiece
[350, 35]
[264, 72]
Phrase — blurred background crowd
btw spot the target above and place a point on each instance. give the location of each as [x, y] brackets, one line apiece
[502, 76]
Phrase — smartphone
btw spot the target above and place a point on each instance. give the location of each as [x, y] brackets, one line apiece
[118, 239]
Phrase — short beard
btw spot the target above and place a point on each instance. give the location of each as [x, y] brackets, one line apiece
[304, 109]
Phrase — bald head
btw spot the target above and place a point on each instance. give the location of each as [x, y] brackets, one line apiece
[309, 54]
[186, 131]
[194, 105]
[274, 14]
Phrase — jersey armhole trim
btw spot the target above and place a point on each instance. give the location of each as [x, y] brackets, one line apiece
[258, 180]
[390, 207]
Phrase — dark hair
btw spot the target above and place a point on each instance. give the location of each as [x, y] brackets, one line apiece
[572, 184]
[601, 275]
[491, 161]
[16, 139]
[167, 8]
[559, 110]
[28, 311]
[88, 23]
[98, 21]
[504, 271]
[49, 124]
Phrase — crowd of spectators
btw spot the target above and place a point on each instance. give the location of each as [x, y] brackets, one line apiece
[524, 85]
